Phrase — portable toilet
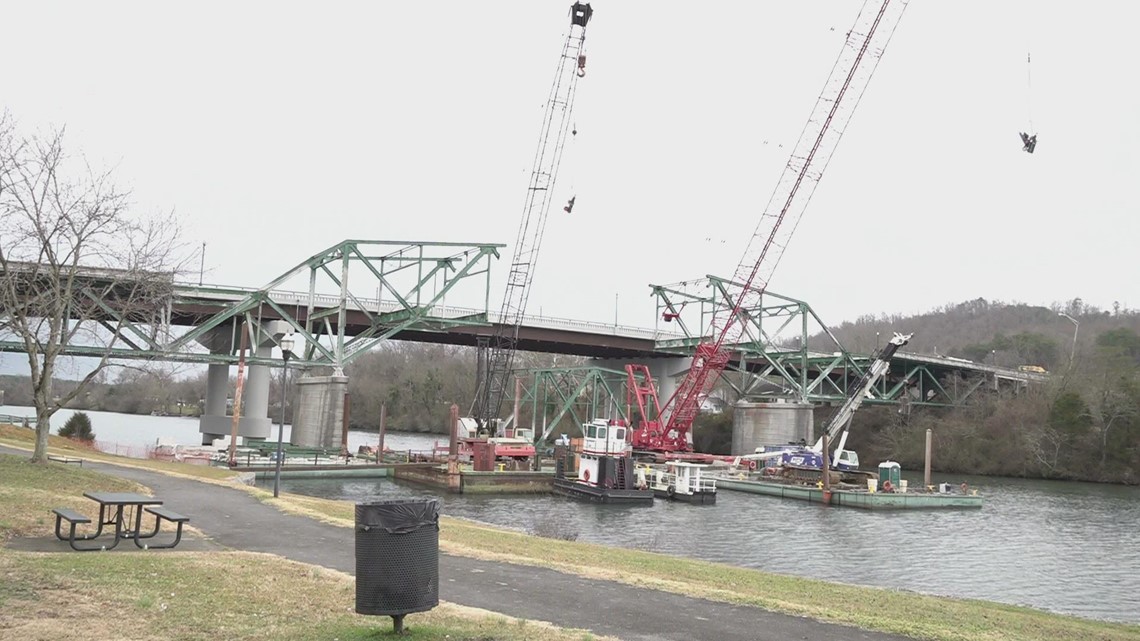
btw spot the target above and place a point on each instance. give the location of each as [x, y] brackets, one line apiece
[890, 471]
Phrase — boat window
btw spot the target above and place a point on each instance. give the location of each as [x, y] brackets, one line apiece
[591, 431]
[619, 434]
[601, 432]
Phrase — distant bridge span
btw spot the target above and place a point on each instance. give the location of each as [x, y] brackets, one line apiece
[407, 284]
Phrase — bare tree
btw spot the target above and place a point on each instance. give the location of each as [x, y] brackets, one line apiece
[77, 271]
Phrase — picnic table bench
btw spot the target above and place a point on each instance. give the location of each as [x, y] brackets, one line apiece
[123, 511]
[163, 514]
[72, 517]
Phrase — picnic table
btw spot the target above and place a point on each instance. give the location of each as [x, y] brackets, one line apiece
[121, 510]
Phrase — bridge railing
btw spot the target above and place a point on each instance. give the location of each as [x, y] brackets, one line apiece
[376, 305]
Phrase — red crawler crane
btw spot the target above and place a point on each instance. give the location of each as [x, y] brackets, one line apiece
[833, 109]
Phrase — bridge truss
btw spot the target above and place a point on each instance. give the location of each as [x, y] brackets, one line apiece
[560, 399]
[359, 293]
[772, 361]
[773, 357]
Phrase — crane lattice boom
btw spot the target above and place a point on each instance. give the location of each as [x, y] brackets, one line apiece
[862, 389]
[849, 77]
[496, 353]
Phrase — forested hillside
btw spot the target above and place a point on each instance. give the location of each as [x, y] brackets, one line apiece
[1083, 424]
[1008, 334]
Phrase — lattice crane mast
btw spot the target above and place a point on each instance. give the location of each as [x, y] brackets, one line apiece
[849, 77]
[496, 352]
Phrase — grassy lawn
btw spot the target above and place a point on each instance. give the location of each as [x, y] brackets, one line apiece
[906, 613]
[190, 595]
[211, 596]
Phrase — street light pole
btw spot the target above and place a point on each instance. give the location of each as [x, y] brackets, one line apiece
[1076, 327]
[286, 352]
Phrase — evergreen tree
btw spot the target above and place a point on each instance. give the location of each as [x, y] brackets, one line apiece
[78, 427]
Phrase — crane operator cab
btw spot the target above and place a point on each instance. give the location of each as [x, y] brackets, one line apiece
[1028, 143]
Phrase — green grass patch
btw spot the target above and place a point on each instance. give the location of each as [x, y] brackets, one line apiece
[218, 595]
[30, 491]
[189, 595]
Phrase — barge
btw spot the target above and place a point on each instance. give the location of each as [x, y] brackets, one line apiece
[854, 496]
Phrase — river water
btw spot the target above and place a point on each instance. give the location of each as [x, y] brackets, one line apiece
[135, 434]
[1072, 548]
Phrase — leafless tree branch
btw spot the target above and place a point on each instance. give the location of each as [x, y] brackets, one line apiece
[77, 268]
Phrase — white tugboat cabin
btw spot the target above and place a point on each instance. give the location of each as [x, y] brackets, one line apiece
[602, 471]
[682, 481]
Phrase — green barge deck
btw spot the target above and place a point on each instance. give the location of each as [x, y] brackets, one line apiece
[854, 497]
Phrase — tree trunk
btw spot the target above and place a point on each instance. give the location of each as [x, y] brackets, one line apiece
[42, 398]
[43, 429]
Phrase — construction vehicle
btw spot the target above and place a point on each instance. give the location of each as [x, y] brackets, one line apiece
[806, 463]
[517, 445]
[495, 353]
[849, 77]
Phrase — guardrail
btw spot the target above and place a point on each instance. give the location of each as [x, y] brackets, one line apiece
[19, 421]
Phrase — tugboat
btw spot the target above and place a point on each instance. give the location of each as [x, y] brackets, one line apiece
[602, 471]
[682, 481]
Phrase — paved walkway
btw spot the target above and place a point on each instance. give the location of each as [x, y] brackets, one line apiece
[234, 519]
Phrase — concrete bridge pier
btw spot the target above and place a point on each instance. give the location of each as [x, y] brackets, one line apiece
[254, 421]
[318, 417]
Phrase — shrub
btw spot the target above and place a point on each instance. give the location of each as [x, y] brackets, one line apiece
[78, 427]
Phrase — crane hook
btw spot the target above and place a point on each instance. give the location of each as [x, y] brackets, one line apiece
[582, 66]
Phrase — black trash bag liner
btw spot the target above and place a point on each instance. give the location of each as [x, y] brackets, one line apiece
[397, 516]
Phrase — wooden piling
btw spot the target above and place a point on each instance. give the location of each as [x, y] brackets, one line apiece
[926, 472]
[826, 471]
[383, 421]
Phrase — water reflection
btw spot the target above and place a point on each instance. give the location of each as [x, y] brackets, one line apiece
[1065, 547]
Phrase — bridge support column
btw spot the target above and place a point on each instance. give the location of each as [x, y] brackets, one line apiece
[254, 421]
[217, 388]
[319, 417]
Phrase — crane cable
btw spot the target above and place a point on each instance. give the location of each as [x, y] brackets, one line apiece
[1029, 90]
[573, 167]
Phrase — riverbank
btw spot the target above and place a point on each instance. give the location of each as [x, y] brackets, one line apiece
[889, 611]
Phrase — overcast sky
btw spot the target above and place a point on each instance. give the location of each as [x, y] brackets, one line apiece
[277, 129]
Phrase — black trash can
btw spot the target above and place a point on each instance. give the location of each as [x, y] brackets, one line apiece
[397, 557]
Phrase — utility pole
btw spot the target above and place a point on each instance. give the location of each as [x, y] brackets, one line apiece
[202, 265]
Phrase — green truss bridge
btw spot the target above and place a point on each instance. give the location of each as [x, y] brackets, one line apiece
[347, 299]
